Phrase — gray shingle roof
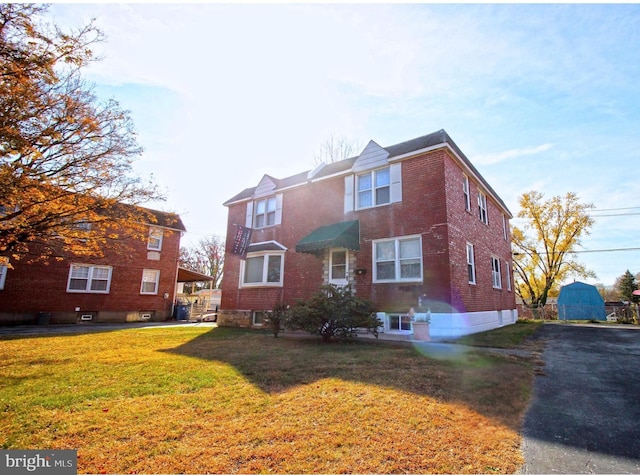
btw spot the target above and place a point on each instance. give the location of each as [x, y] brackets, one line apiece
[342, 166]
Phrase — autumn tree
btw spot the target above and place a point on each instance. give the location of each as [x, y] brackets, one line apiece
[207, 257]
[544, 249]
[65, 158]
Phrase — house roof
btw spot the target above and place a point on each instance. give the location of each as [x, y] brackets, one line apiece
[168, 220]
[186, 275]
[266, 246]
[160, 218]
[398, 151]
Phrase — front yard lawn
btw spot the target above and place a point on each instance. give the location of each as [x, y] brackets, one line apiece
[192, 399]
[509, 336]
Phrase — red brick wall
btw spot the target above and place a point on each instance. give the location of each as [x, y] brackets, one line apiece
[42, 287]
[488, 240]
[432, 206]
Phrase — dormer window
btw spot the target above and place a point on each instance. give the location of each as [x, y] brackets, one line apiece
[374, 188]
[265, 212]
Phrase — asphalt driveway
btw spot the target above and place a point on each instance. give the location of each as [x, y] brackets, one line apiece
[584, 416]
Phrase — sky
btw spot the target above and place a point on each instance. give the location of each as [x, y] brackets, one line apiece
[541, 97]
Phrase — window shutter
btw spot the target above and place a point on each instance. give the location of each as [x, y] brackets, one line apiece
[395, 172]
[249, 216]
[278, 208]
[348, 193]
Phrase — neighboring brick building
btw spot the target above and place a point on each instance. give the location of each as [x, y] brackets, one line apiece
[410, 226]
[135, 282]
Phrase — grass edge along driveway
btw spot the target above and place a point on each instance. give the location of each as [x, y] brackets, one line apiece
[218, 400]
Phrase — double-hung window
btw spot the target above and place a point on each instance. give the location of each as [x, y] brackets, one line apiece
[465, 193]
[155, 239]
[374, 188]
[507, 274]
[89, 279]
[150, 280]
[264, 269]
[471, 264]
[496, 279]
[265, 213]
[482, 208]
[398, 260]
[3, 275]
[505, 227]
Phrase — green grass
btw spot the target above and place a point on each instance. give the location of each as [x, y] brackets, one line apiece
[509, 336]
[195, 400]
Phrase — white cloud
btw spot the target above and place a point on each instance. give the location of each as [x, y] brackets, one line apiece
[493, 158]
[223, 93]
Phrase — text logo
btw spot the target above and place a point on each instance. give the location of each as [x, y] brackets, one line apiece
[43, 462]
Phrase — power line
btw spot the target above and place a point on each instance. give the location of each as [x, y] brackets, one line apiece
[608, 250]
[613, 209]
[592, 216]
[596, 210]
[617, 214]
[584, 251]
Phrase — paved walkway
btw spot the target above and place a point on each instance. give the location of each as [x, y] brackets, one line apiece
[584, 416]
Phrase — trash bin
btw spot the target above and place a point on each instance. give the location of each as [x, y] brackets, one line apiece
[43, 318]
[183, 311]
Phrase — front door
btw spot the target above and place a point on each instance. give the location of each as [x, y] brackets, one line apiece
[338, 267]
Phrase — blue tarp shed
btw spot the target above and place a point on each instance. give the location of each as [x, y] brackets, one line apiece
[580, 301]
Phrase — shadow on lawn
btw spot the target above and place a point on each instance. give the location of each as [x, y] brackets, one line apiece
[494, 386]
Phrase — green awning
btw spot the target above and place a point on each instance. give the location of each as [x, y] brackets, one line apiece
[345, 234]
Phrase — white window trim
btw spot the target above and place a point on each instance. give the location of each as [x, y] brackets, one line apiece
[398, 331]
[266, 212]
[496, 276]
[482, 208]
[504, 227]
[252, 208]
[157, 282]
[87, 289]
[155, 234]
[396, 240]
[351, 193]
[263, 283]
[345, 280]
[3, 275]
[507, 275]
[373, 189]
[471, 261]
[265, 314]
[466, 192]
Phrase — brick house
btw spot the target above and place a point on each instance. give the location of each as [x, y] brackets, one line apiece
[131, 282]
[412, 227]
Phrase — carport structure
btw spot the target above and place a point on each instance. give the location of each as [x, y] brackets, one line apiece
[185, 304]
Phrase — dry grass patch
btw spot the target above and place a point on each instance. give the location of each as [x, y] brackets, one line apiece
[508, 336]
[196, 400]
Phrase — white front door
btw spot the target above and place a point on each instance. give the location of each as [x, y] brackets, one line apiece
[338, 266]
